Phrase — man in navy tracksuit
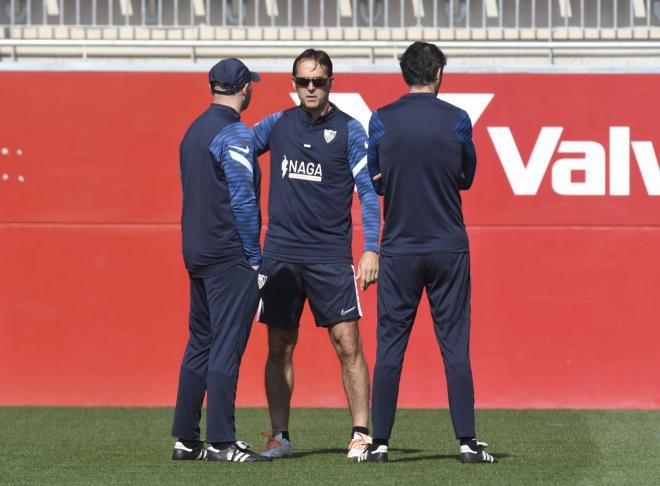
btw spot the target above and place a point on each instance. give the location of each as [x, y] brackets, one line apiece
[420, 156]
[318, 157]
[220, 224]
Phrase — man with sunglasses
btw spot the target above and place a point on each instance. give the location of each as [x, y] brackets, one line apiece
[420, 157]
[318, 157]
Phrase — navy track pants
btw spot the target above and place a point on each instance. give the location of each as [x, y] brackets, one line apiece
[401, 279]
[222, 309]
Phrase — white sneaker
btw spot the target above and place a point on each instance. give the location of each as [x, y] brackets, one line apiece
[276, 446]
[358, 445]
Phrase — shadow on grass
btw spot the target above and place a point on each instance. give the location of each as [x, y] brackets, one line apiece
[317, 452]
[444, 457]
[314, 452]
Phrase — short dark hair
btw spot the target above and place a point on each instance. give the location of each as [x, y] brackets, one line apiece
[317, 55]
[420, 63]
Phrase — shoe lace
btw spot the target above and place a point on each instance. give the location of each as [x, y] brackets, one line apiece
[271, 441]
[361, 441]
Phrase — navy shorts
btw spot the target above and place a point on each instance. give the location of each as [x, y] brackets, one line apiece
[330, 288]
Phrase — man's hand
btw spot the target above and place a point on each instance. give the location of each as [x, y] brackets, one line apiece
[367, 269]
[378, 177]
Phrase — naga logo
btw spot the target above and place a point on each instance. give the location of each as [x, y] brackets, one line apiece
[525, 179]
[299, 169]
[329, 135]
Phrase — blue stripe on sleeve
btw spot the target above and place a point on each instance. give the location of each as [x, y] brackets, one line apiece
[261, 132]
[463, 131]
[357, 159]
[376, 132]
[234, 150]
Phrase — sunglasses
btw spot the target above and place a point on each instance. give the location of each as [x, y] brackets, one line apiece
[317, 82]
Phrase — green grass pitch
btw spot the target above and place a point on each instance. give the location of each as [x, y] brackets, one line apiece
[132, 446]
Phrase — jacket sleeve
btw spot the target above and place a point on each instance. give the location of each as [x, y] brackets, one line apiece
[463, 131]
[357, 159]
[233, 149]
[376, 131]
[261, 132]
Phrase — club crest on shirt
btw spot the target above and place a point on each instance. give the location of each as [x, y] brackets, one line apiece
[261, 280]
[329, 135]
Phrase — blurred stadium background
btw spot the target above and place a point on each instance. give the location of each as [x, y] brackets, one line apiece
[564, 217]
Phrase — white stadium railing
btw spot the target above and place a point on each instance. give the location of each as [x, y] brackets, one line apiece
[371, 28]
[371, 50]
[465, 14]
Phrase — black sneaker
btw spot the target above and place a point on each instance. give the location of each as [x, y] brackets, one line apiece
[236, 452]
[183, 453]
[471, 456]
[375, 453]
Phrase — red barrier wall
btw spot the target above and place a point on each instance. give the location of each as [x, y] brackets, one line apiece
[93, 294]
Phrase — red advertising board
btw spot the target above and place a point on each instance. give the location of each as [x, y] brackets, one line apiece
[564, 224]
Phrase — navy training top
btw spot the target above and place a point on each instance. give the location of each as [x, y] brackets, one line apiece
[314, 168]
[221, 180]
[423, 148]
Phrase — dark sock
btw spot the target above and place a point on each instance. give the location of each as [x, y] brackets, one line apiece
[221, 445]
[190, 444]
[469, 441]
[285, 434]
[380, 442]
[362, 430]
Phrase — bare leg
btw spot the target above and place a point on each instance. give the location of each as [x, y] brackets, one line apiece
[279, 375]
[345, 337]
